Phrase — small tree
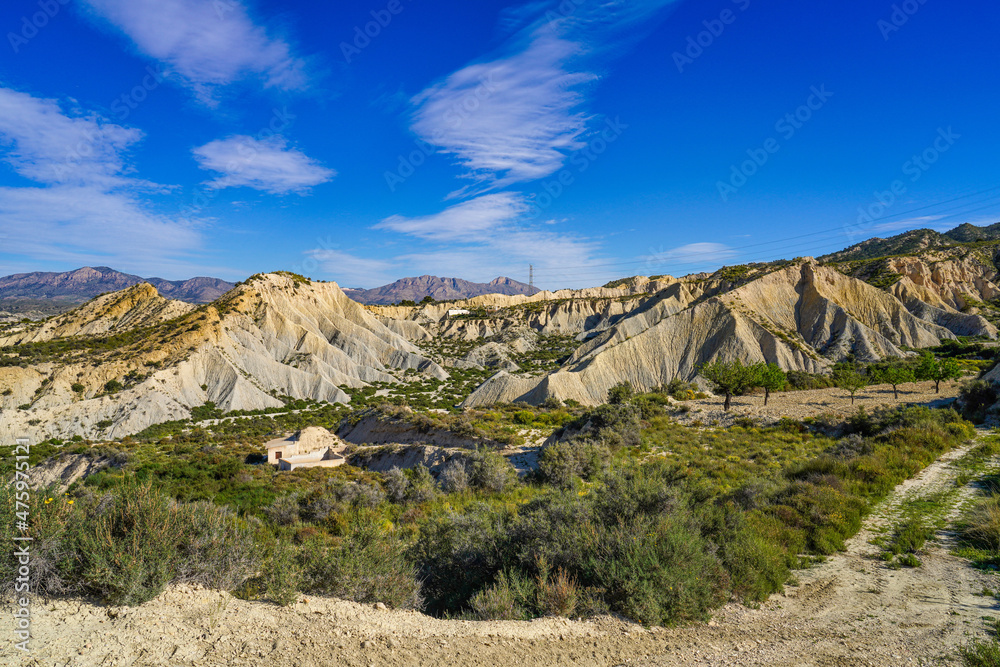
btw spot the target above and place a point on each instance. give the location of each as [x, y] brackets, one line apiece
[938, 370]
[772, 378]
[427, 299]
[895, 374]
[851, 381]
[731, 378]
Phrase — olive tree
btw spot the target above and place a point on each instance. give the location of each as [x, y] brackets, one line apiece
[851, 381]
[895, 375]
[938, 370]
[731, 377]
[771, 378]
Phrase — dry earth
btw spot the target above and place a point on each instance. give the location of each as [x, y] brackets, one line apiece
[849, 610]
[813, 402]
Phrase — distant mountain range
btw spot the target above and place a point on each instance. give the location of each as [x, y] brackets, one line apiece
[44, 293]
[74, 287]
[440, 289]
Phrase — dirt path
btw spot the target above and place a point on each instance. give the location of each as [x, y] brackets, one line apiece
[853, 609]
[850, 610]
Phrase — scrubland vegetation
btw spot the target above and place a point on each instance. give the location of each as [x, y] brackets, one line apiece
[628, 513]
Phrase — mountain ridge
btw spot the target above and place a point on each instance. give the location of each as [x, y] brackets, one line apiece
[439, 288]
[85, 283]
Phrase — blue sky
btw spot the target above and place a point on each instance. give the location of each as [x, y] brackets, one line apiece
[366, 141]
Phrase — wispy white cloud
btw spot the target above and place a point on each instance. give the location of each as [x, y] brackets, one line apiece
[511, 120]
[46, 145]
[269, 165]
[477, 240]
[83, 222]
[87, 205]
[468, 222]
[516, 117]
[208, 43]
[682, 259]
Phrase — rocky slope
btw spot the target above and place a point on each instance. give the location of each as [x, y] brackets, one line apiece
[275, 335]
[117, 312]
[802, 317]
[440, 289]
[564, 312]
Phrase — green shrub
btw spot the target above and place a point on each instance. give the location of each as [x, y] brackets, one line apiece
[562, 462]
[127, 545]
[507, 599]
[454, 478]
[910, 536]
[282, 576]
[216, 548]
[976, 398]
[980, 654]
[656, 570]
[459, 555]
[369, 565]
[621, 393]
[490, 471]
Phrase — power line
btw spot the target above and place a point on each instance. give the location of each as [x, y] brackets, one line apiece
[830, 233]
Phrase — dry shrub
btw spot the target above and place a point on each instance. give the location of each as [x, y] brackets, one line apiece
[982, 525]
[506, 600]
[557, 594]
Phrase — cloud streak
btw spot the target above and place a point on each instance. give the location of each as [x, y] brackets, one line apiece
[468, 222]
[516, 117]
[47, 146]
[87, 205]
[269, 165]
[207, 43]
[692, 254]
[478, 239]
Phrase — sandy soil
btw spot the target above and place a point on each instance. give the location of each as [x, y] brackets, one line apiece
[802, 404]
[849, 610]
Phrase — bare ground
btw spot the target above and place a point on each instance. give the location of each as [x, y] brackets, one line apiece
[850, 610]
[814, 402]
